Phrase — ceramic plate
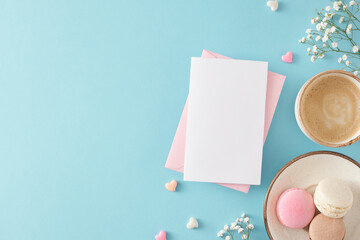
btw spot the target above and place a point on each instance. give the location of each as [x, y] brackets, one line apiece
[305, 172]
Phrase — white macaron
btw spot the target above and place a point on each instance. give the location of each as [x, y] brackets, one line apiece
[333, 197]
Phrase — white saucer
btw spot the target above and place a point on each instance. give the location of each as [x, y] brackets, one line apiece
[305, 172]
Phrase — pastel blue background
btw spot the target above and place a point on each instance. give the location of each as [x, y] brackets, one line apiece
[91, 93]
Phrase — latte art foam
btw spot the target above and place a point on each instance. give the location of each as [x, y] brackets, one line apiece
[330, 109]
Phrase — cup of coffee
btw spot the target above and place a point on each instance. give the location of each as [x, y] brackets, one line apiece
[327, 108]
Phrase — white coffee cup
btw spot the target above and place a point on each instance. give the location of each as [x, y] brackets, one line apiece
[299, 101]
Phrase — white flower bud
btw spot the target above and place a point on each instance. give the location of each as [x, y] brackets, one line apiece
[302, 40]
[355, 49]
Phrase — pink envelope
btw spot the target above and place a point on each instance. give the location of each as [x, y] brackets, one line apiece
[176, 156]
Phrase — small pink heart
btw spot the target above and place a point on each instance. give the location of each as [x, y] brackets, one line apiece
[171, 186]
[287, 57]
[161, 235]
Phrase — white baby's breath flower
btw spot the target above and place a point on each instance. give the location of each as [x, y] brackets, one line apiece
[302, 40]
[227, 238]
[232, 227]
[250, 226]
[356, 73]
[240, 230]
[348, 29]
[355, 49]
[320, 56]
[332, 29]
[334, 44]
[352, 2]
[313, 58]
[323, 24]
[309, 36]
[325, 38]
[237, 227]
[221, 233]
[309, 30]
[318, 27]
[341, 20]
[324, 45]
[308, 49]
[340, 60]
[226, 227]
[246, 219]
[237, 220]
[241, 219]
[328, 8]
[315, 49]
[318, 38]
[313, 21]
[344, 57]
[243, 215]
[347, 63]
[345, 7]
[337, 5]
[244, 236]
[326, 18]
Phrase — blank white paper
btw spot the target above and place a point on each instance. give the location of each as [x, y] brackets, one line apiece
[225, 126]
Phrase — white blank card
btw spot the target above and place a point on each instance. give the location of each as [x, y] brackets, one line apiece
[225, 126]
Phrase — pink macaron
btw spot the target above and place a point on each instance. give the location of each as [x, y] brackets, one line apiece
[295, 208]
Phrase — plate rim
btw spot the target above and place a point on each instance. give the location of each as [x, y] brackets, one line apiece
[286, 166]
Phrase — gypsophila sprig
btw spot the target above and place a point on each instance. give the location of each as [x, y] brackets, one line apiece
[333, 31]
[240, 227]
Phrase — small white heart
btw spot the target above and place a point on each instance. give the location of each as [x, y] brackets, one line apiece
[273, 5]
[193, 223]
